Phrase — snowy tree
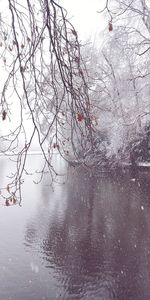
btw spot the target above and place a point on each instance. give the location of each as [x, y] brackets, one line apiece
[126, 54]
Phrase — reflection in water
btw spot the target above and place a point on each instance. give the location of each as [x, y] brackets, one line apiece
[93, 232]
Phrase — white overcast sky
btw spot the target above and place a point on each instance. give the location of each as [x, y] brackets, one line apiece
[84, 17]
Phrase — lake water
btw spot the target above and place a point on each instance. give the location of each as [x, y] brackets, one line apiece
[89, 238]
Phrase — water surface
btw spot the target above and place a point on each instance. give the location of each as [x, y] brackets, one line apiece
[89, 238]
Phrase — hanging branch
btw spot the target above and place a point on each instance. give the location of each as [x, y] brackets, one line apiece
[46, 80]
